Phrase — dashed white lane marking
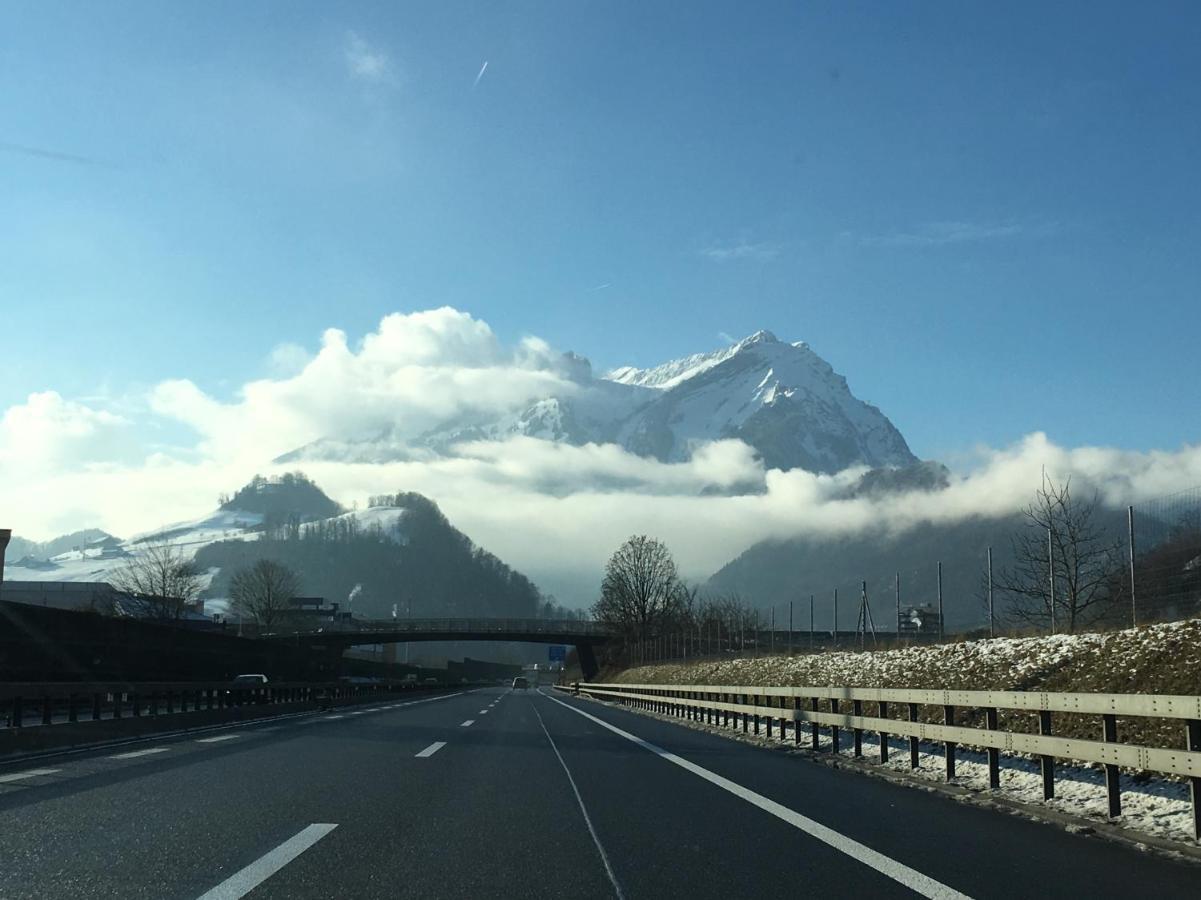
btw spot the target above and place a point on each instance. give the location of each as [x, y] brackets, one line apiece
[911, 878]
[243, 882]
[431, 749]
[331, 718]
[220, 737]
[31, 773]
[483, 712]
[134, 754]
[467, 724]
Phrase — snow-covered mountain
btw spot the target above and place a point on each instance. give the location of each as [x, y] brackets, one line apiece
[782, 399]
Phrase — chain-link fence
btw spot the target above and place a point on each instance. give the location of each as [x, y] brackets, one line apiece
[1158, 542]
[1167, 557]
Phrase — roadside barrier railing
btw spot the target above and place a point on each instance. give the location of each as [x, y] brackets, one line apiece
[25, 704]
[748, 706]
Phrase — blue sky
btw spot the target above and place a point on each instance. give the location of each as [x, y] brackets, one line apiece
[985, 215]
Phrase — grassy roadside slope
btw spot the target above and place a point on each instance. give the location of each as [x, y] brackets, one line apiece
[1156, 659]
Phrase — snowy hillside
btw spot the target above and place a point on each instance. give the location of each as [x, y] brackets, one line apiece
[782, 399]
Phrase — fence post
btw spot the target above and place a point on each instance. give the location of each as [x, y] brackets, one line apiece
[1113, 790]
[796, 722]
[1047, 763]
[1051, 570]
[898, 590]
[834, 729]
[883, 713]
[857, 709]
[811, 633]
[994, 754]
[913, 739]
[948, 718]
[1193, 743]
[835, 635]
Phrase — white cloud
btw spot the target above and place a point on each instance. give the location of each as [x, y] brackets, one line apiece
[367, 63]
[938, 234]
[741, 250]
[550, 510]
[47, 433]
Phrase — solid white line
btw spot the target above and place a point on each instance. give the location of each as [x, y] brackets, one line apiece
[431, 749]
[32, 773]
[467, 723]
[220, 737]
[136, 753]
[243, 882]
[885, 865]
[580, 800]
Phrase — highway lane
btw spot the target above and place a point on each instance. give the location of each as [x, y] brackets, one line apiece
[532, 798]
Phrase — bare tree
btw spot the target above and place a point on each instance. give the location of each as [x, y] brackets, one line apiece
[640, 589]
[162, 578]
[1061, 537]
[263, 592]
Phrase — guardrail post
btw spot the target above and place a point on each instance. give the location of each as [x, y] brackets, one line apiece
[994, 753]
[948, 718]
[756, 714]
[835, 731]
[96, 704]
[1192, 728]
[1047, 763]
[18, 715]
[815, 736]
[745, 715]
[47, 710]
[1113, 789]
[117, 704]
[770, 704]
[135, 704]
[170, 702]
[857, 709]
[796, 722]
[153, 703]
[73, 708]
[883, 713]
[914, 740]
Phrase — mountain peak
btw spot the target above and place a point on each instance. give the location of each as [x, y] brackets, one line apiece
[759, 337]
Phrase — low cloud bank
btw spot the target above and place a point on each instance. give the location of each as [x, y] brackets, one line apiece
[552, 510]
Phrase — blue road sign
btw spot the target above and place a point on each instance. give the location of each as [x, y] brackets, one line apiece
[556, 653]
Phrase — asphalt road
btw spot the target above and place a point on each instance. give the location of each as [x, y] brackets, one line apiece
[499, 793]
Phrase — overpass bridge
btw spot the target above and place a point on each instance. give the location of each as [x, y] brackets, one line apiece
[583, 635]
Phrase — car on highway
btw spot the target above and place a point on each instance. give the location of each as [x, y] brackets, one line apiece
[520, 683]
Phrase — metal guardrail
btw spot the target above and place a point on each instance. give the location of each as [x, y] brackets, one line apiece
[718, 704]
[55, 703]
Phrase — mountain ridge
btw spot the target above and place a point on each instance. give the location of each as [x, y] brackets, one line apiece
[782, 399]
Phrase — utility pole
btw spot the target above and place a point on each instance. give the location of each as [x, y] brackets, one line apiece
[1130, 529]
[790, 628]
[773, 631]
[898, 588]
[836, 618]
[1051, 568]
[811, 633]
[992, 622]
[942, 630]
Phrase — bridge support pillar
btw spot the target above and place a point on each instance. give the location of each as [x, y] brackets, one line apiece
[587, 656]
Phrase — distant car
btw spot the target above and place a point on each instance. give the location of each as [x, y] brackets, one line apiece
[252, 683]
[520, 683]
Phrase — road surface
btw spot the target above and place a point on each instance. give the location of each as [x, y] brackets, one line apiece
[502, 793]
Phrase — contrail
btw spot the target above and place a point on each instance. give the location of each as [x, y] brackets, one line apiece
[53, 154]
[483, 69]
